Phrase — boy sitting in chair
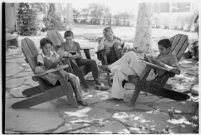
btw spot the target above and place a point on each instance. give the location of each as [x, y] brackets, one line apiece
[48, 59]
[130, 64]
[111, 45]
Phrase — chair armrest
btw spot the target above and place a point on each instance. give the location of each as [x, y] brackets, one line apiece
[86, 48]
[51, 70]
[87, 52]
[156, 66]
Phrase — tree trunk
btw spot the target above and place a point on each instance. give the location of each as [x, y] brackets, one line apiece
[142, 41]
[69, 17]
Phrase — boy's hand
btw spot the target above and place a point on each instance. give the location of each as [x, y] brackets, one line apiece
[66, 54]
[77, 55]
[175, 70]
[150, 59]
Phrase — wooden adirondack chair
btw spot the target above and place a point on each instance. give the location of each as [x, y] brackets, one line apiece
[156, 86]
[43, 92]
[57, 39]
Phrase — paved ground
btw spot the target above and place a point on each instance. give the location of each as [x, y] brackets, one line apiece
[151, 114]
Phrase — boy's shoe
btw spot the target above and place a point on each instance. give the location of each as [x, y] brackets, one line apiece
[104, 68]
[115, 99]
[82, 103]
[101, 87]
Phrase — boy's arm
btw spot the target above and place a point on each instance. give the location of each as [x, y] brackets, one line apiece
[40, 68]
[101, 45]
[78, 53]
[173, 65]
[62, 52]
[56, 59]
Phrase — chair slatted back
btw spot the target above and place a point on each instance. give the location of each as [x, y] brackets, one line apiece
[179, 44]
[30, 52]
[55, 37]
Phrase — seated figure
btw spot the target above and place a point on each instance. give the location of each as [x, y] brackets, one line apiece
[71, 49]
[130, 64]
[48, 59]
[110, 47]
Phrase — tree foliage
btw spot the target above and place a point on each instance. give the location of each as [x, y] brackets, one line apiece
[26, 20]
[52, 20]
[97, 12]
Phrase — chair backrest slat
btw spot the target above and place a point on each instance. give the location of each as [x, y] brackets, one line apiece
[55, 37]
[30, 52]
[179, 44]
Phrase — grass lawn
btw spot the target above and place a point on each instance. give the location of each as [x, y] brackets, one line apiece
[86, 35]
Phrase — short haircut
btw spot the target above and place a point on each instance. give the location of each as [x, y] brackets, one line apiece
[106, 29]
[44, 41]
[68, 33]
[165, 43]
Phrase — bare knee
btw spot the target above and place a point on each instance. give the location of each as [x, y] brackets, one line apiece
[74, 78]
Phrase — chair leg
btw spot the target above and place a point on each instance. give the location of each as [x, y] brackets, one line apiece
[139, 86]
[48, 95]
[68, 91]
[108, 79]
[32, 91]
[135, 95]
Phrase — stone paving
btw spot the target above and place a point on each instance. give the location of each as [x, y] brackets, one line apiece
[151, 114]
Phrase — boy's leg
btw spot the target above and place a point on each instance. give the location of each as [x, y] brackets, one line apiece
[131, 60]
[117, 90]
[74, 80]
[92, 65]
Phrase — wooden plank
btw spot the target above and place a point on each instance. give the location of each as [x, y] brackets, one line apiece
[175, 41]
[55, 37]
[51, 36]
[28, 54]
[139, 86]
[68, 91]
[51, 94]
[60, 37]
[182, 50]
[179, 45]
[32, 91]
[52, 70]
[155, 66]
[86, 47]
[166, 93]
[87, 53]
[26, 49]
[32, 47]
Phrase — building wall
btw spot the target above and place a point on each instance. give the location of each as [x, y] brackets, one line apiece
[10, 15]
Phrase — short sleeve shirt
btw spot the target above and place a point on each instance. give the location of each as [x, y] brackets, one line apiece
[68, 48]
[105, 44]
[45, 60]
[169, 59]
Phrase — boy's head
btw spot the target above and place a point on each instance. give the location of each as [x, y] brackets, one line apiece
[164, 46]
[108, 33]
[45, 45]
[68, 35]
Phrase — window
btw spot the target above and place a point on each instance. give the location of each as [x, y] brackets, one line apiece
[181, 7]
